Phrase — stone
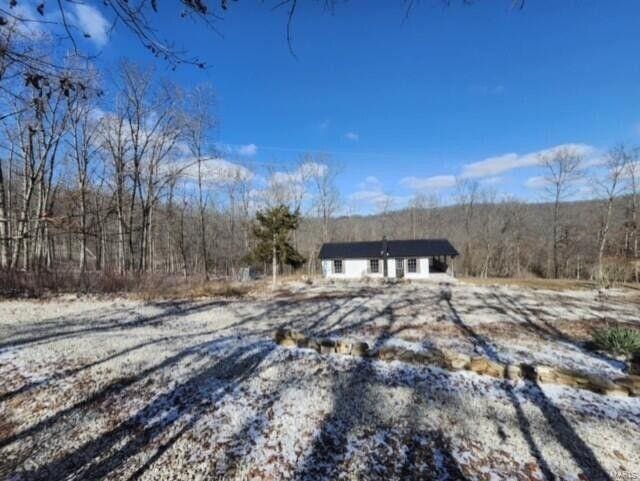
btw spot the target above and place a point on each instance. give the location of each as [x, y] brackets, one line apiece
[288, 342]
[513, 372]
[605, 386]
[546, 374]
[282, 334]
[343, 347]
[327, 346]
[609, 388]
[529, 371]
[412, 357]
[360, 349]
[308, 343]
[575, 379]
[455, 361]
[630, 383]
[482, 365]
[388, 353]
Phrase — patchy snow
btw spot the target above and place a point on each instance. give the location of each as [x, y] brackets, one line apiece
[197, 390]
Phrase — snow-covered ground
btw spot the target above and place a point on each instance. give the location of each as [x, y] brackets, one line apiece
[121, 389]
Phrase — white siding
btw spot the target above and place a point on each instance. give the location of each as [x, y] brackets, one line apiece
[391, 264]
[352, 269]
[326, 267]
[423, 269]
[356, 268]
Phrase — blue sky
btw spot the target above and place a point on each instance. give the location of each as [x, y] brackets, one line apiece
[403, 106]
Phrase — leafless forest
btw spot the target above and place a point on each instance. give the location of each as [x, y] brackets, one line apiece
[138, 184]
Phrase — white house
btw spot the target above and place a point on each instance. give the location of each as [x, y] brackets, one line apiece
[411, 259]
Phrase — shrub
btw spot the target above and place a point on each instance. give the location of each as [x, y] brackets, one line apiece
[617, 340]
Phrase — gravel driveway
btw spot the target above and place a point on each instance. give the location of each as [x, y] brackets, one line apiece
[120, 389]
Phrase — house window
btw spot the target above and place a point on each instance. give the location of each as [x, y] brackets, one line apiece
[374, 266]
[337, 266]
[412, 265]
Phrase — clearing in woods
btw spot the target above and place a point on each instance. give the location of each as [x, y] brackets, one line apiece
[121, 389]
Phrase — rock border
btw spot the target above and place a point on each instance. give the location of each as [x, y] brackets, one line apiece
[454, 361]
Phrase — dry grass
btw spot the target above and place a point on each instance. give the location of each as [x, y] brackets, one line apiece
[17, 284]
[532, 283]
[170, 288]
[42, 285]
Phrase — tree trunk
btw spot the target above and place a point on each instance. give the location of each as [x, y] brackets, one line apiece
[4, 223]
[556, 220]
[603, 237]
[274, 264]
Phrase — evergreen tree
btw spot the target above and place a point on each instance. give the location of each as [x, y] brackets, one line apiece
[272, 231]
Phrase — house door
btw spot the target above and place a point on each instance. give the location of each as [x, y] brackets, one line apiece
[399, 268]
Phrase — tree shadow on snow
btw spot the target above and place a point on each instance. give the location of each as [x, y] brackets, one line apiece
[181, 408]
[353, 417]
[560, 427]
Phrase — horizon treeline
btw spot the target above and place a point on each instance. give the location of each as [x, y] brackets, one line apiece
[127, 177]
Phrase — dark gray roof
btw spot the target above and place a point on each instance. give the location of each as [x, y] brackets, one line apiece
[394, 248]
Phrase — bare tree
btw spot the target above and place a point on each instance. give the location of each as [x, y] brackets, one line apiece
[199, 124]
[116, 146]
[608, 186]
[633, 178]
[323, 175]
[467, 195]
[563, 169]
[40, 126]
[84, 129]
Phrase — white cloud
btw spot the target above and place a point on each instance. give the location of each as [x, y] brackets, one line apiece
[217, 171]
[371, 196]
[309, 169]
[494, 166]
[581, 188]
[370, 182]
[536, 182]
[371, 193]
[248, 150]
[491, 180]
[354, 136]
[91, 22]
[299, 175]
[594, 161]
[243, 150]
[425, 183]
